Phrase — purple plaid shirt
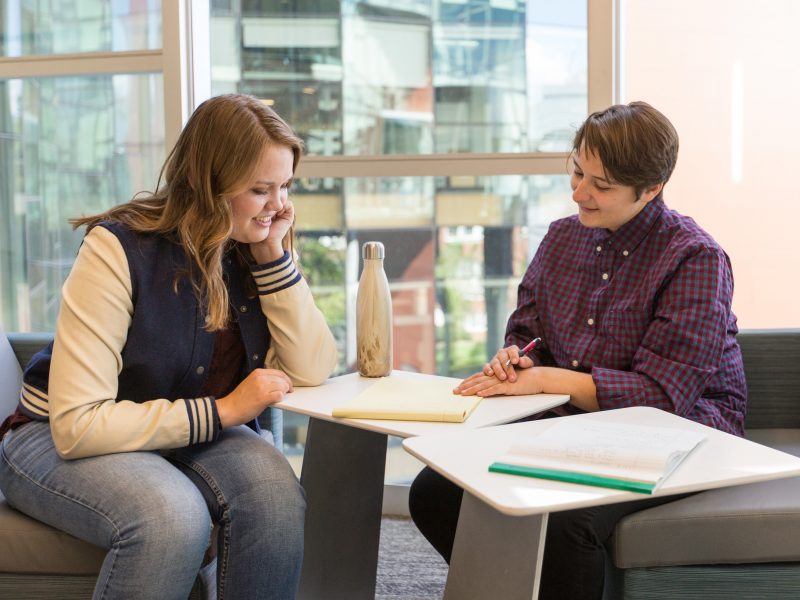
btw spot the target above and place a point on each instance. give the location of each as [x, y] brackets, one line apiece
[646, 310]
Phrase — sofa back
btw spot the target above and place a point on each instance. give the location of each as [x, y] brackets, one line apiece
[771, 365]
[27, 344]
[772, 369]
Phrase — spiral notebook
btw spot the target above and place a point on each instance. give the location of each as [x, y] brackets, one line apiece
[396, 399]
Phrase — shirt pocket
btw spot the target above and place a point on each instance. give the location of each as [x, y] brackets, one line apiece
[624, 331]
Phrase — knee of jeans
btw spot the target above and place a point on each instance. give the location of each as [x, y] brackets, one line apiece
[180, 525]
[266, 483]
[274, 499]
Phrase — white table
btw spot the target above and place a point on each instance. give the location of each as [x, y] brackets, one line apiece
[501, 528]
[343, 475]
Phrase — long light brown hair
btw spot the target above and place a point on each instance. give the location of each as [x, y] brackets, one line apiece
[214, 159]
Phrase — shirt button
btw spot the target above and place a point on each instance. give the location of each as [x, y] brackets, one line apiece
[243, 309]
[605, 276]
[200, 370]
[625, 253]
[574, 363]
[255, 357]
[599, 248]
[590, 321]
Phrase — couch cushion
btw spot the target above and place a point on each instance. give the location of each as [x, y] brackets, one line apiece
[765, 581]
[29, 546]
[750, 523]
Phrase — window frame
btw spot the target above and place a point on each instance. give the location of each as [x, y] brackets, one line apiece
[183, 60]
[184, 48]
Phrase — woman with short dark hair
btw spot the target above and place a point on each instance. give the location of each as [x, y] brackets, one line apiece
[632, 302]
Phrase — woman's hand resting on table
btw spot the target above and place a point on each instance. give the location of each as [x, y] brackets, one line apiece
[259, 389]
[528, 381]
[538, 380]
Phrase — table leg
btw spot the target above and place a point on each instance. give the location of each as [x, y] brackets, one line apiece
[343, 470]
[495, 555]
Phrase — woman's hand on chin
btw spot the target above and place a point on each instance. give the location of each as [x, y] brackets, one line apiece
[271, 249]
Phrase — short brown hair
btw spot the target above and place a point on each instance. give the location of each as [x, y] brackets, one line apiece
[637, 144]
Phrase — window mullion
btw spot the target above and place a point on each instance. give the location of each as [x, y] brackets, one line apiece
[186, 64]
[84, 63]
[603, 59]
[550, 163]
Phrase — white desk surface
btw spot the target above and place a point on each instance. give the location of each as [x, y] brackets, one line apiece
[464, 458]
[319, 402]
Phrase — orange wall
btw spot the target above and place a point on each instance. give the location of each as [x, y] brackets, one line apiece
[726, 74]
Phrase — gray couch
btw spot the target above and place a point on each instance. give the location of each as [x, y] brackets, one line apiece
[38, 561]
[739, 542]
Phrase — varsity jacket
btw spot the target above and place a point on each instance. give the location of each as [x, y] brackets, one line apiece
[131, 354]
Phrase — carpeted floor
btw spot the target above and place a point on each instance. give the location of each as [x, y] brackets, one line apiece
[408, 567]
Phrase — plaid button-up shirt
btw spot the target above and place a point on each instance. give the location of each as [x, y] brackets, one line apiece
[646, 310]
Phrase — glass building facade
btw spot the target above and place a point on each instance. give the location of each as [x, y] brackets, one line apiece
[363, 78]
[69, 146]
[420, 77]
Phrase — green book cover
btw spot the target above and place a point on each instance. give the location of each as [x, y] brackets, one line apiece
[572, 477]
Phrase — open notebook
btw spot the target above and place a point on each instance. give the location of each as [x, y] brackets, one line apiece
[398, 399]
[635, 458]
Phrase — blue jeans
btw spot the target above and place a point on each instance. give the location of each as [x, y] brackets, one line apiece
[154, 511]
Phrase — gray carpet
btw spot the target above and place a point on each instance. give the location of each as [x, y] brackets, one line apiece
[408, 567]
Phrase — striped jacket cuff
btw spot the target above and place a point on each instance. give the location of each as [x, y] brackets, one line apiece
[203, 419]
[33, 402]
[276, 276]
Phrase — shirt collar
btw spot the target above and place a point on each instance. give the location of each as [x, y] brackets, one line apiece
[631, 234]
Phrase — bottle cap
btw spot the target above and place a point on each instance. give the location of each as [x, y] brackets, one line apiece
[372, 250]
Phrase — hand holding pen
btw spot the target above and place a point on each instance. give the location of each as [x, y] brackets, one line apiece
[528, 347]
[500, 365]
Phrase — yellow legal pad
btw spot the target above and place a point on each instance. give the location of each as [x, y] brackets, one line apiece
[397, 399]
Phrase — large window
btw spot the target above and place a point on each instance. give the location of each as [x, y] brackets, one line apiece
[370, 80]
[75, 139]
[373, 77]
[69, 146]
[439, 127]
[32, 27]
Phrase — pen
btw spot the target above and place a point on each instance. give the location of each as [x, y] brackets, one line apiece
[528, 347]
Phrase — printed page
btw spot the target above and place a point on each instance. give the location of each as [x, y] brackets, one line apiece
[635, 452]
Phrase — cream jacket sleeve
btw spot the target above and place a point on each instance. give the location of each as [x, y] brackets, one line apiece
[302, 344]
[86, 417]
